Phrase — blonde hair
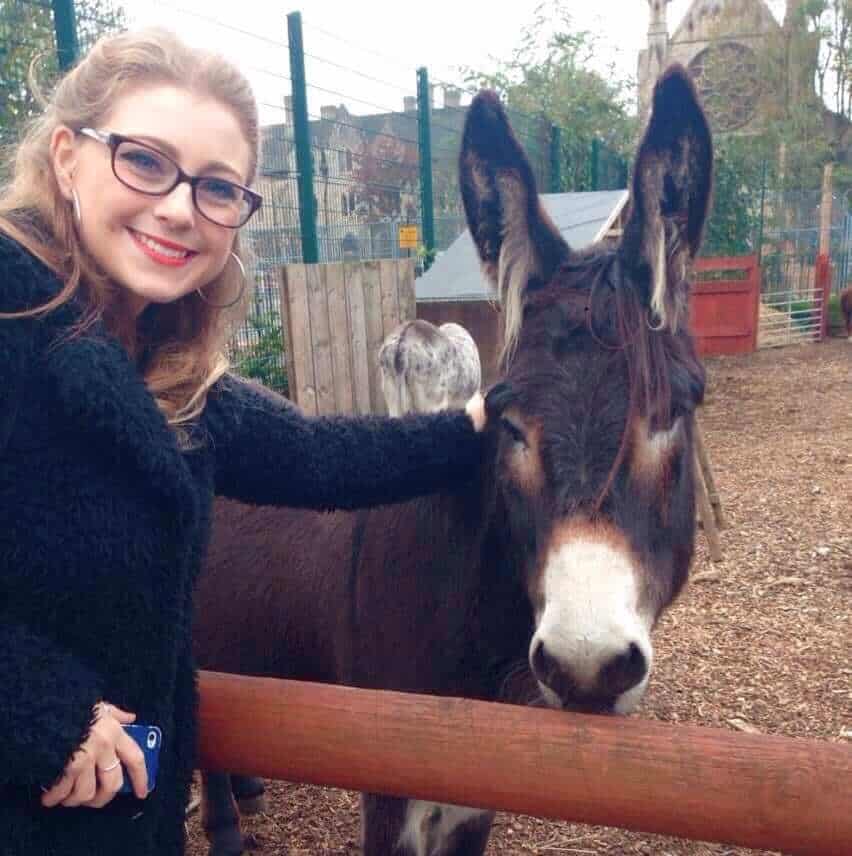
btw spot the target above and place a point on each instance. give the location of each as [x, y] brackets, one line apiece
[185, 347]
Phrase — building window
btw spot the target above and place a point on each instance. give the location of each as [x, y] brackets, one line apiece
[727, 77]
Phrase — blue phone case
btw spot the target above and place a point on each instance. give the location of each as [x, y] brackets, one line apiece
[149, 738]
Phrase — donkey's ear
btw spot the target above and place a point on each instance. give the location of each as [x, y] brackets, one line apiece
[670, 196]
[518, 244]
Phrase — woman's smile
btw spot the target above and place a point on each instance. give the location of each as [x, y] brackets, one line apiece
[162, 251]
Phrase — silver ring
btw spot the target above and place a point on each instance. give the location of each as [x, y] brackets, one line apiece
[111, 766]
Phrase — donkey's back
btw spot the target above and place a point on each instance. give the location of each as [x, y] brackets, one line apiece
[425, 368]
[257, 602]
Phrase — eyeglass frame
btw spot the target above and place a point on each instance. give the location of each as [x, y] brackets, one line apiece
[113, 141]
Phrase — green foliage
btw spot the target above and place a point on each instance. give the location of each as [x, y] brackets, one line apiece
[806, 78]
[425, 258]
[26, 33]
[836, 323]
[263, 359]
[551, 73]
[734, 224]
[803, 313]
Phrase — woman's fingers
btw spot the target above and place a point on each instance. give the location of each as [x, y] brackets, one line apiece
[62, 788]
[123, 716]
[94, 774]
[85, 787]
[134, 764]
[110, 779]
[475, 409]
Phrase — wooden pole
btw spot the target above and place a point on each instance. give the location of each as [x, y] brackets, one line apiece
[705, 512]
[709, 478]
[825, 209]
[700, 783]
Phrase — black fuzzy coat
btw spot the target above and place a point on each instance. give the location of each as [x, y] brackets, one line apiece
[103, 524]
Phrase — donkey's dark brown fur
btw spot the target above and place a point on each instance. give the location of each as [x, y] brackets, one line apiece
[846, 309]
[539, 582]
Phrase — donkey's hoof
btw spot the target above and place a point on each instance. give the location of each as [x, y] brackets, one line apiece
[253, 805]
[226, 843]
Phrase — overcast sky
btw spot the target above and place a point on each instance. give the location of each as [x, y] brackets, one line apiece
[364, 53]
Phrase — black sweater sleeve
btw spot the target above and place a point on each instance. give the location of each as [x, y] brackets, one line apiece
[46, 694]
[46, 700]
[269, 453]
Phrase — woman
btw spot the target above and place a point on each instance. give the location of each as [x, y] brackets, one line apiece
[119, 272]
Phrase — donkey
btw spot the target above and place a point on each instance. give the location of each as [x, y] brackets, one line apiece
[540, 581]
[846, 310]
[425, 368]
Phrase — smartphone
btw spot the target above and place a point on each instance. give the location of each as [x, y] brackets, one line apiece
[149, 738]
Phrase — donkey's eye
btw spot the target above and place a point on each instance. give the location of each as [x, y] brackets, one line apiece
[515, 433]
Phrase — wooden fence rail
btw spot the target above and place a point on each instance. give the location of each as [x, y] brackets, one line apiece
[699, 783]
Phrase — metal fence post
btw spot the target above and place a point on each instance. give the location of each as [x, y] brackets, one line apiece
[302, 134]
[65, 28]
[759, 248]
[424, 134]
[596, 155]
[555, 159]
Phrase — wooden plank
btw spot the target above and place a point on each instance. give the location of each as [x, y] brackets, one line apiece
[287, 335]
[705, 511]
[354, 287]
[406, 292]
[723, 286]
[372, 284]
[709, 477]
[608, 228]
[389, 273]
[709, 784]
[300, 365]
[321, 339]
[725, 263]
[338, 320]
[756, 277]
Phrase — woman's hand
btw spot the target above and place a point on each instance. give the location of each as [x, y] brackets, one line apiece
[94, 774]
[475, 409]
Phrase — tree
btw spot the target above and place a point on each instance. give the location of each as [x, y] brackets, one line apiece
[26, 32]
[552, 74]
[808, 118]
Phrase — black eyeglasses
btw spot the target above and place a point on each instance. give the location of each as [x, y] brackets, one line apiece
[147, 170]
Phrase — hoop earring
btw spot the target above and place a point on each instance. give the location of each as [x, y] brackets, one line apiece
[242, 290]
[655, 327]
[75, 201]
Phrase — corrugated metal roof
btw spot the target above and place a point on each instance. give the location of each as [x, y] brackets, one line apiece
[456, 273]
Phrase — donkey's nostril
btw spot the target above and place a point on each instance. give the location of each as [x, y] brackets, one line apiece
[624, 671]
[544, 667]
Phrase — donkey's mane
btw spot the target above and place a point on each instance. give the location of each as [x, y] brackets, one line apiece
[599, 307]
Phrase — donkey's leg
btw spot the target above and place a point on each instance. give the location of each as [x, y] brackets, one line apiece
[250, 794]
[418, 828]
[382, 822]
[461, 831]
[219, 816]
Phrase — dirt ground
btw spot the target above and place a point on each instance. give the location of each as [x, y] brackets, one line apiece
[760, 641]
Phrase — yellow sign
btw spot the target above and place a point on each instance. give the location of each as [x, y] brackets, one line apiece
[408, 237]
